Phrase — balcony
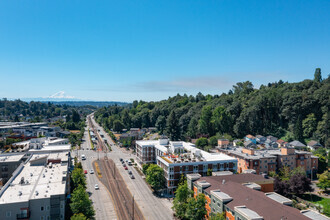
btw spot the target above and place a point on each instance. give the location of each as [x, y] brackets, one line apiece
[23, 216]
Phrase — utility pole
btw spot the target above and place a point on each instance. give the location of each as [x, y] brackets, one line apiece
[133, 208]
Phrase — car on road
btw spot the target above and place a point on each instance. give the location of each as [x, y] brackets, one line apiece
[132, 176]
[125, 168]
[129, 163]
[126, 161]
[96, 186]
[85, 172]
[129, 172]
[83, 157]
[121, 159]
[124, 165]
[91, 171]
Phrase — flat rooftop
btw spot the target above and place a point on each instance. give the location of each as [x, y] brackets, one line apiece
[10, 158]
[37, 181]
[52, 148]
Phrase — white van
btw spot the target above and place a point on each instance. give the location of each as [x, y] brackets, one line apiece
[83, 157]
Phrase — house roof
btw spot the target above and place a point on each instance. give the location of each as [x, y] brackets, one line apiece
[258, 202]
[297, 144]
[250, 136]
[313, 143]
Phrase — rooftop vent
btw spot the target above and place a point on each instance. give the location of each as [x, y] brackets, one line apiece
[37, 193]
[20, 193]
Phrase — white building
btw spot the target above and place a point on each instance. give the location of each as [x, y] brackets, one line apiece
[178, 157]
[37, 189]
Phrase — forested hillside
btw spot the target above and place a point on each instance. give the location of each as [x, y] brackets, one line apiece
[37, 111]
[286, 110]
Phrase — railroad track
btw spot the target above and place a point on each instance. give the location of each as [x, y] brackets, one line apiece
[124, 202]
[126, 207]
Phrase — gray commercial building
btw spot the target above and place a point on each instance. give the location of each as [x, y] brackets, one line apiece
[37, 189]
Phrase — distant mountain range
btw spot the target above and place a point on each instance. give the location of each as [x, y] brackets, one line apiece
[75, 102]
[61, 98]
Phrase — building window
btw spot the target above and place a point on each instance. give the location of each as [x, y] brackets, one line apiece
[195, 167]
[42, 208]
[8, 214]
[47, 208]
[205, 166]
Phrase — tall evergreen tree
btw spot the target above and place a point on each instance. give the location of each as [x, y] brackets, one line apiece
[172, 127]
[317, 75]
[298, 130]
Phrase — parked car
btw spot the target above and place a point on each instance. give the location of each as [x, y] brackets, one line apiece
[125, 168]
[96, 186]
[85, 171]
[121, 159]
[124, 165]
[91, 171]
[129, 163]
[132, 176]
[129, 172]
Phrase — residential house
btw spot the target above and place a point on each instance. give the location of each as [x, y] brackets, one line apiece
[314, 145]
[251, 138]
[223, 143]
[272, 138]
[281, 143]
[249, 144]
[297, 144]
[260, 139]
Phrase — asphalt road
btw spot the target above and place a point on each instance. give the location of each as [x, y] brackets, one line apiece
[102, 202]
[151, 206]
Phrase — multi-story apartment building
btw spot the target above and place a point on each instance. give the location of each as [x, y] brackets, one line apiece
[177, 158]
[264, 161]
[37, 189]
[8, 164]
[240, 198]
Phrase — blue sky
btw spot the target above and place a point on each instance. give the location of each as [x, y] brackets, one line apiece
[150, 50]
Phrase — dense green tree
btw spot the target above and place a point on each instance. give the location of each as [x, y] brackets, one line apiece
[309, 125]
[79, 216]
[161, 124]
[78, 178]
[196, 208]
[298, 130]
[317, 75]
[155, 177]
[192, 128]
[145, 167]
[182, 194]
[202, 142]
[205, 122]
[80, 202]
[213, 141]
[324, 180]
[221, 120]
[118, 126]
[126, 119]
[172, 127]
[75, 116]
[280, 109]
